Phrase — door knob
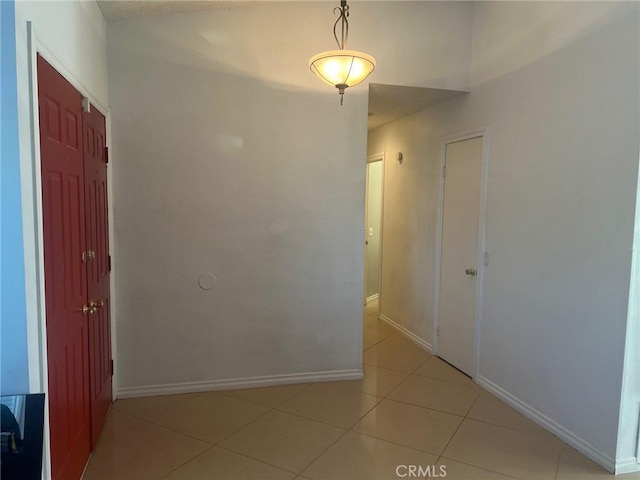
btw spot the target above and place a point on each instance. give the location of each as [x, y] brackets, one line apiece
[89, 309]
[471, 272]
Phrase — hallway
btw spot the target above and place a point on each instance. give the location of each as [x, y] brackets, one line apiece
[410, 409]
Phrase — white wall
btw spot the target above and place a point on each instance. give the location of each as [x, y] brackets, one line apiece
[374, 225]
[556, 84]
[232, 159]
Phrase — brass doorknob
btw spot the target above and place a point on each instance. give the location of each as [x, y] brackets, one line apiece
[471, 272]
[89, 309]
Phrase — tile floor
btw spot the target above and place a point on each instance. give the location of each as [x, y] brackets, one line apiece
[410, 409]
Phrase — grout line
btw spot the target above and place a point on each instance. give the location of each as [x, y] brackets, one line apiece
[393, 442]
[244, 426]
[188, 461]
[404, 402]
[481, 468]
[110, 412]
[305, 386]
[255, 459]
[458, 428]
[315, 420]
[558, 463]
[323, 452]
[513, 429]
[450, 438]
[192, 396]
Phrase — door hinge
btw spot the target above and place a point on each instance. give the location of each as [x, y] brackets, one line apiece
[438, 331]
[106, 154]
[109, 262]
[86, 105]
[111, 366]
[444, 171]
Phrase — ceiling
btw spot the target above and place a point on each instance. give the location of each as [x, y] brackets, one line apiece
[121, 9]
[391, 102]
[386, 102]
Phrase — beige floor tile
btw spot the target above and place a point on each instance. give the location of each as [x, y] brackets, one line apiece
[219, 464]
[460, 471]
[366, 346]
[357, 457]
[490, 409]
[283, 440]
[210, 417]
[396, 353]
[375, 335]
[439, 395]
[441, 370]
[575, 466]
[149, 407]
[267, 396]
[116, 422]
[142, 452]
[377, 381]
[331, 403]
[411, 426]
[372, 306]
[376, 324]
[510, 452]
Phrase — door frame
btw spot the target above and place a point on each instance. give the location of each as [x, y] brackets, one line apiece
[480, 132]
[373, 158]
[33, 232]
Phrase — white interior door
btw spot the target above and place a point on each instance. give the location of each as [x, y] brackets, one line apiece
[459, 253]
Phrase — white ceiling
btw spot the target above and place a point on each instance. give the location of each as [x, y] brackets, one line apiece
[386, 102]
[391, 102]
[122, 9]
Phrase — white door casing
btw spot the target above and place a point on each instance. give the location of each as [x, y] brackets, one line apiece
[460, 250]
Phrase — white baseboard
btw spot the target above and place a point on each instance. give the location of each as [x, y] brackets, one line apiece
[629, 465]
[558, 430]
[372, 297]
[410, 335]
[238, 383]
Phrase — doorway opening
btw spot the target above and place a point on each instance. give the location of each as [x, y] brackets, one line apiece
[373, 230]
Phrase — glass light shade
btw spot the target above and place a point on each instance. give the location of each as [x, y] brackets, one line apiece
[342, 68]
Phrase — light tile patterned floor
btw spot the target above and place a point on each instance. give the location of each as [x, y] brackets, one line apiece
[410, 409]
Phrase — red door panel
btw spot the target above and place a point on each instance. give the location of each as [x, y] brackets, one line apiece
[63, 201]
[97, 267]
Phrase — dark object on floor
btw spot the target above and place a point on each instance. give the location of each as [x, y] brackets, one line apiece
[21, 426]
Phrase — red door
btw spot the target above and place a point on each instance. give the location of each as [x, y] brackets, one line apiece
[63, 211]
[97, 262]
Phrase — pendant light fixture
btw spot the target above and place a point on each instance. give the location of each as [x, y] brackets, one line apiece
[342, 68]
